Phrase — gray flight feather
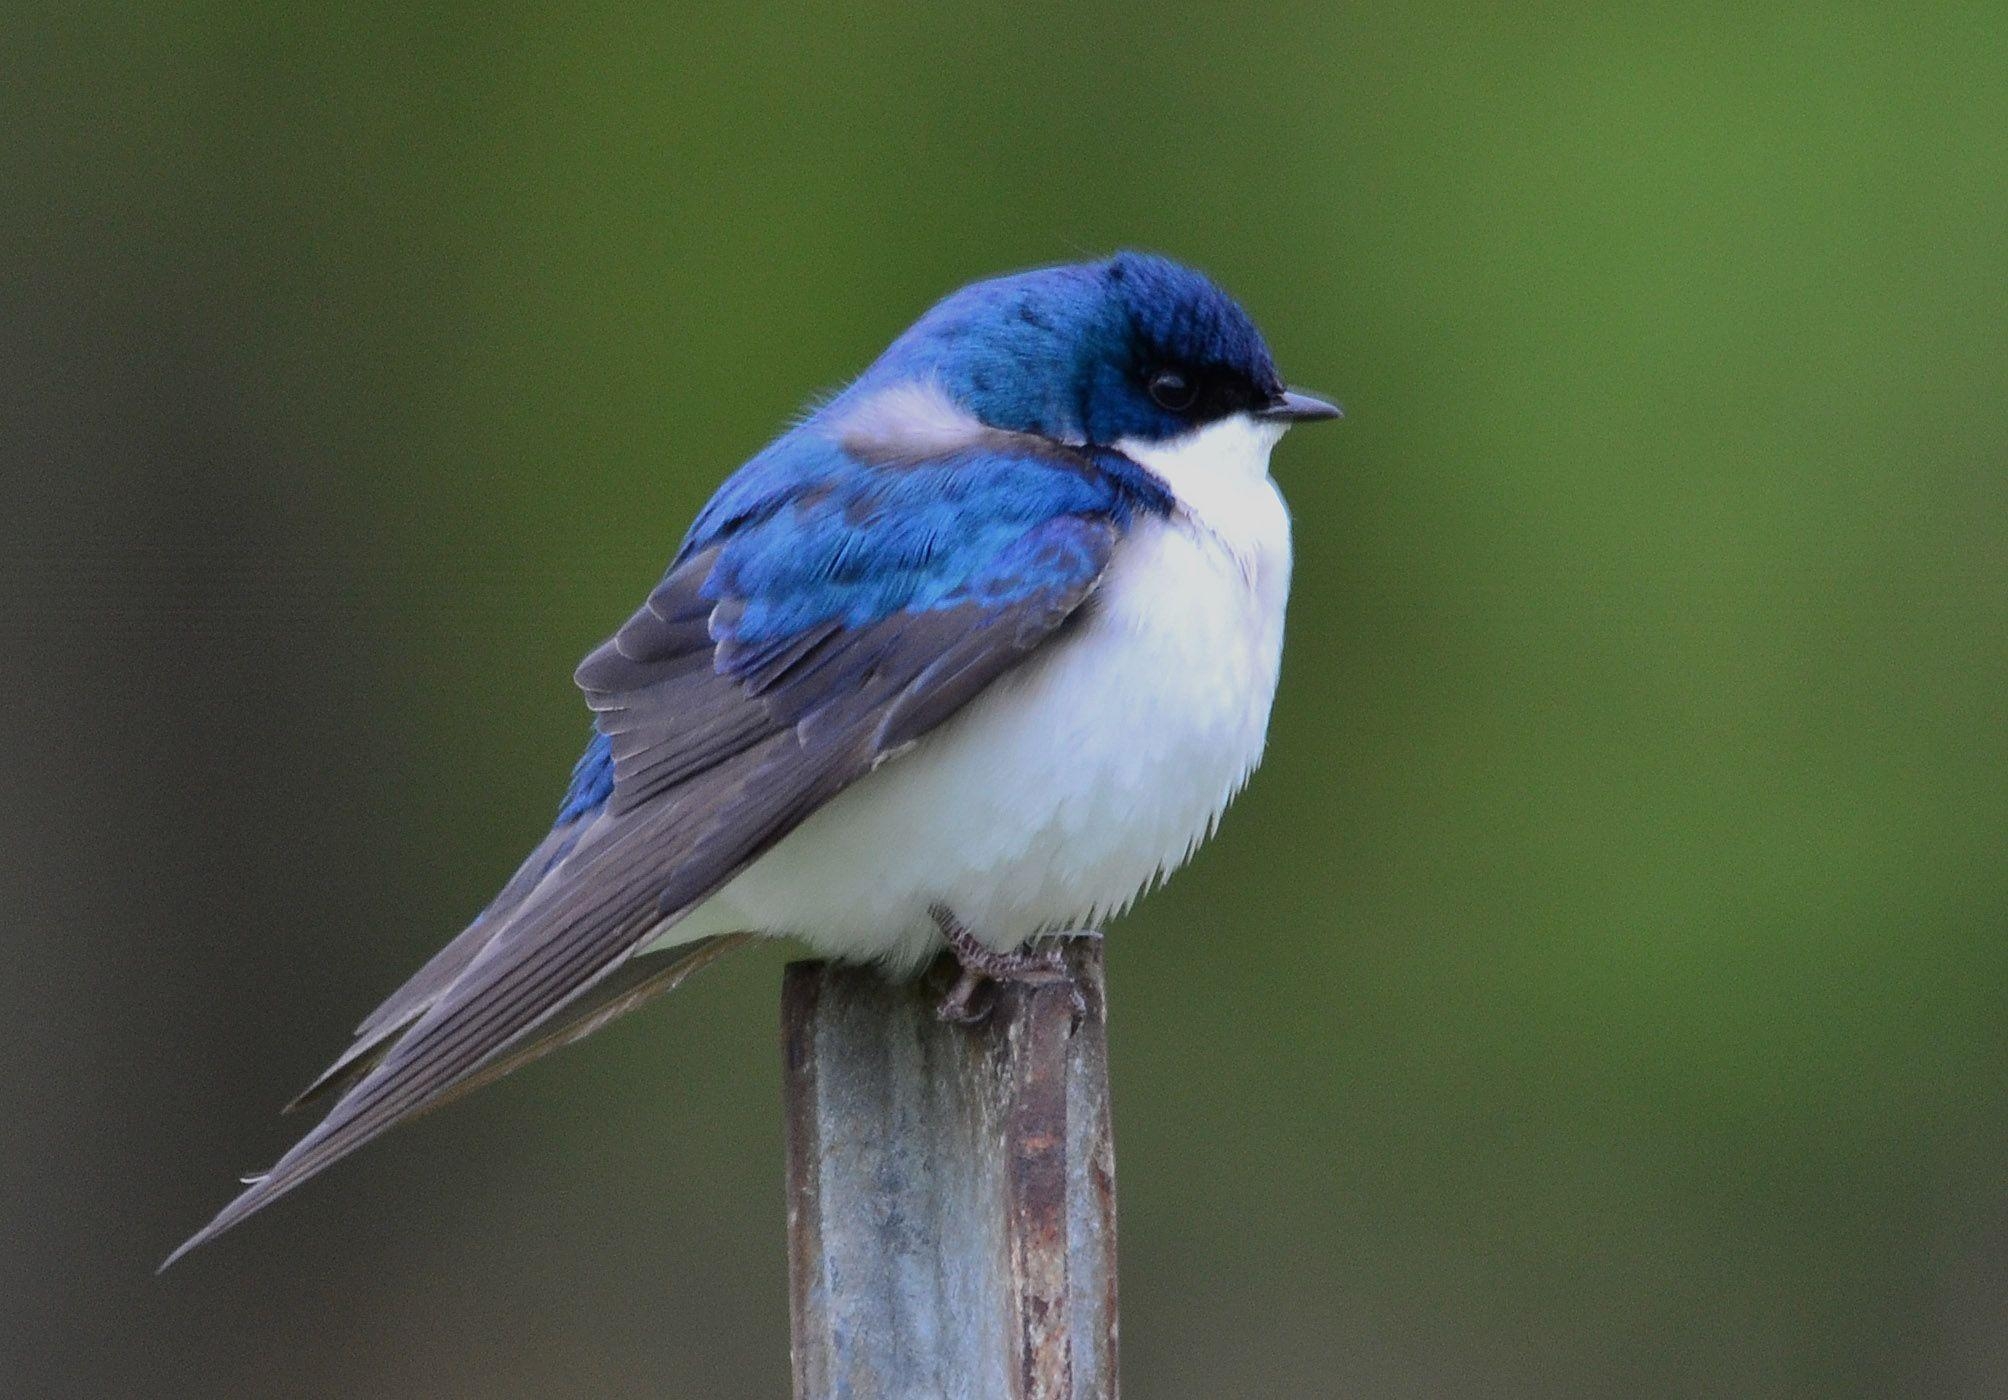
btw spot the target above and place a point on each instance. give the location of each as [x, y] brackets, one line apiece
[713, 764]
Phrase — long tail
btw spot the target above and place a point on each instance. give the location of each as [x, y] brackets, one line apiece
[625, 986]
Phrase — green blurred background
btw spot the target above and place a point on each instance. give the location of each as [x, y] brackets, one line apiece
[1599, 994]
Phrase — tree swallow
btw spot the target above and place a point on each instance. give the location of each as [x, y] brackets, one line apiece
[977, 651]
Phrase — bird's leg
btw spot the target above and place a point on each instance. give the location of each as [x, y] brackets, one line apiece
[982, 964]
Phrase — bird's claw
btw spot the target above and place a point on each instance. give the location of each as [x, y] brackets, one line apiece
[981, 964]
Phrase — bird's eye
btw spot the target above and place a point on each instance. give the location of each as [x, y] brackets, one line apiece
[1173, 391]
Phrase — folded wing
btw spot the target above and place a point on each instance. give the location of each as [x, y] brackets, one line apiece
[791, 648]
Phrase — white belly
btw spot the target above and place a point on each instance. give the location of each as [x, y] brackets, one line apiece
[1078, 780]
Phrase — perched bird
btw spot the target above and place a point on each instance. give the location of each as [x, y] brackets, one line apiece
[979, 650]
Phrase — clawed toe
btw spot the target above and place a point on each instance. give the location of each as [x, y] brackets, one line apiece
[961, 1006]
[966, 1004]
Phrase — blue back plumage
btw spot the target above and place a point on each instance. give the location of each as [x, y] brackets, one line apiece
[858, 543]
[1056, 362]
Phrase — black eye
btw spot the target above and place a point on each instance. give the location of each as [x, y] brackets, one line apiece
[1173, 391]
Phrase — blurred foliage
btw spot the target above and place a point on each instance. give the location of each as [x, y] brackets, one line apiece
[1599, 993]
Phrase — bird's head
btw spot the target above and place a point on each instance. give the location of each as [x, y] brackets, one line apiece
[1131, 349]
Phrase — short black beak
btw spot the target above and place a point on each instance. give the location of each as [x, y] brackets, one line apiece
[1295, 406]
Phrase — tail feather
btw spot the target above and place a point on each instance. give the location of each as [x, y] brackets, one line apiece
[625, 986]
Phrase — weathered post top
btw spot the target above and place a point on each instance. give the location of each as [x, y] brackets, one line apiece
[951, 1189]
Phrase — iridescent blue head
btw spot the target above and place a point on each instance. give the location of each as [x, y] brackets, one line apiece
[1131, 347]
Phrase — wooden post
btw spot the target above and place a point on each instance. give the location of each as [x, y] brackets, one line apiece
[951, 1189]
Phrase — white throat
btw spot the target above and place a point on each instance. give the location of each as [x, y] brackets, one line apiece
[1220, 477]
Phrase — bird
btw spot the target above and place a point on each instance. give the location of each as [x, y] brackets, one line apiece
[977, 651]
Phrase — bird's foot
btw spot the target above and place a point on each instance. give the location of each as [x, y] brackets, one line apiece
[981, 963]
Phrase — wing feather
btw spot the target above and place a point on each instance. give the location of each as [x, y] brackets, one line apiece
[723, 740]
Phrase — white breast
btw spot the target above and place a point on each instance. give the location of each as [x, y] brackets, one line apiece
[1076, 782]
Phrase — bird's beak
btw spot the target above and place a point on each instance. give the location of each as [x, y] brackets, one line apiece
[1296, 406]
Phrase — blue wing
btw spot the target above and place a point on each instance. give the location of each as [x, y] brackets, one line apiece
[825, 612]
